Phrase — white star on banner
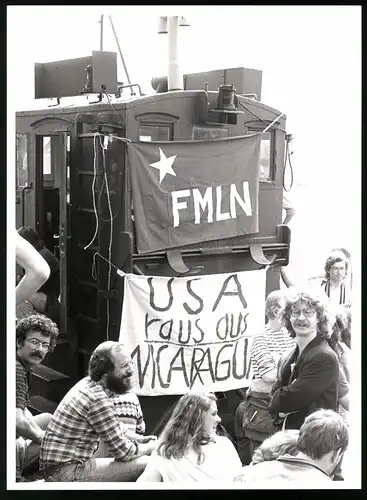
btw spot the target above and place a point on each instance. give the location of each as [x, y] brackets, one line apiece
[164, 165]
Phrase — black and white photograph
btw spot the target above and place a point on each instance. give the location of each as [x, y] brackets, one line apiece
[184, 244]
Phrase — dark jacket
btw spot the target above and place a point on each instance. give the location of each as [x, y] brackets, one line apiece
[312, 384]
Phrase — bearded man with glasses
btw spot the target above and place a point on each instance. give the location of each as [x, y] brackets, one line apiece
[36, 336]
[98, 409]
[307, 375]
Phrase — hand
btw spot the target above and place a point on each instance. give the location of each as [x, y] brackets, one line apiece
[283, 415]
[150, 446]
[147, 439]
[41, 434]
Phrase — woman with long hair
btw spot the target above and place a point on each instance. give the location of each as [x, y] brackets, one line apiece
[189, 448]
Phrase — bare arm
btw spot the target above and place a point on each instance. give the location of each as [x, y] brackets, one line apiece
[139, 438]
[145, 449]
[288, 282]
[27, 427]
[289, 210]
[36, 268]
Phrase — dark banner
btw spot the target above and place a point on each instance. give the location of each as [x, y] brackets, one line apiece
[194, 191]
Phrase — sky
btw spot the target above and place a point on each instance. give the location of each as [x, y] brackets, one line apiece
[311, 62]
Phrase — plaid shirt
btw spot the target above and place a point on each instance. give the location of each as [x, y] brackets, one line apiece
[22, 383]
[85, 415]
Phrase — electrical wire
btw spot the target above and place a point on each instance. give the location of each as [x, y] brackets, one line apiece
[113, 107]
[275, 114]
[251, 113]
[111, 235]
[97, 217]
[93, 191]
[257, 117]
[272, 123]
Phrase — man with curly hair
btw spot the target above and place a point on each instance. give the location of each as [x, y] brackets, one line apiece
[307, 375]
[36, 336]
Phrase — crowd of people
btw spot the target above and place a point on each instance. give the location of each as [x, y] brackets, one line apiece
[292, 424]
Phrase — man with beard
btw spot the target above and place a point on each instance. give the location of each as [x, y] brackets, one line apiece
[36, 336]
[87, 415]
[307, 377]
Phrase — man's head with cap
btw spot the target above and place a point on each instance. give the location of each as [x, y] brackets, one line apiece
[111, 364]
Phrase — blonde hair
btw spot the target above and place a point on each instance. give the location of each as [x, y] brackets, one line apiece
[276, 445]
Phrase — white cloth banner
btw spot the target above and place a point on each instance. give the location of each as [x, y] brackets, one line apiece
[193, 332]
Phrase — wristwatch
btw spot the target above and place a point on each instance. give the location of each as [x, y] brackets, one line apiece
[136, 444]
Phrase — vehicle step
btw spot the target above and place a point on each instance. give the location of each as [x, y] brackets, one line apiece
[85, 352]
[46, 373]
[41, 404]
[62, 340]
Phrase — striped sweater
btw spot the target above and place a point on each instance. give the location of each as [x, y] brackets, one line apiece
[266, 349]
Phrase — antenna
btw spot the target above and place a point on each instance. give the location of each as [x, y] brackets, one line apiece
[122, 57]
[101, 40]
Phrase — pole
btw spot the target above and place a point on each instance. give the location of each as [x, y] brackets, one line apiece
[175, 80]
[119, 48]
[101, 42]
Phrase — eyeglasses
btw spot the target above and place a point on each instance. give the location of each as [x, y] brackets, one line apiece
[308, 313]
[128, 363]
[337, 268]
[37, 343]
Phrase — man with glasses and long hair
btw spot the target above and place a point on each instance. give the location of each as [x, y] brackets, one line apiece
[307, 376]
[36, 336]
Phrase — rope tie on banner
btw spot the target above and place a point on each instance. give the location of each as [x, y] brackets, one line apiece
[272, 123]
[119, 272]
[123, 139]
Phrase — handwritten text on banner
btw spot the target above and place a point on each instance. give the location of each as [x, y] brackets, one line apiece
[194, 332]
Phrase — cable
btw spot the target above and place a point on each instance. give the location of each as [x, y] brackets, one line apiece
[258, 117]
[251, 113]
[97, 217]
[272, 123]
[266, 121]
[123, 139]
[112, 106]
[93, 191]
[111, 235]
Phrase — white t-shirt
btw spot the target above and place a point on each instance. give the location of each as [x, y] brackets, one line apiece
[220, 462]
